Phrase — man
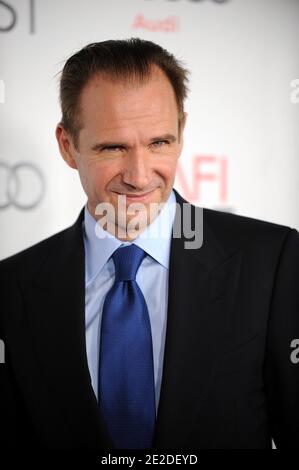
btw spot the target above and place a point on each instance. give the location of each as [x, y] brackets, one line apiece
[191, 351]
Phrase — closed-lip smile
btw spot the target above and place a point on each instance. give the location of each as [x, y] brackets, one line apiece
[136, 196]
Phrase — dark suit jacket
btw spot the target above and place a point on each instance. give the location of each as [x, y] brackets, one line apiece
[228, 380]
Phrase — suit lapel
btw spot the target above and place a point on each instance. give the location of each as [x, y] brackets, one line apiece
[55, 299]
[202, 288]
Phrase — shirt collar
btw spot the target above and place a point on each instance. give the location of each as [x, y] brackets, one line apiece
[155, 239]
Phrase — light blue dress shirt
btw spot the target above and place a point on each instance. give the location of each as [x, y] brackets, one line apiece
[152, 278]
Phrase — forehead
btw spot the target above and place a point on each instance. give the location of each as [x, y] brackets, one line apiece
[108, 104]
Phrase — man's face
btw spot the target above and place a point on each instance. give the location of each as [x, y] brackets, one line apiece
[129, 143]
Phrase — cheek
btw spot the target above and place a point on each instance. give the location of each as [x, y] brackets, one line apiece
[167, 169]
[102, 174]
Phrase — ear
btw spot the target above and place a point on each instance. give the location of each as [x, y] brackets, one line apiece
[66, 146]
[182, 124]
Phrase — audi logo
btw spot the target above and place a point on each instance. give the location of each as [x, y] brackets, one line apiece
[13, 14]
[22, 185]
[9, 15]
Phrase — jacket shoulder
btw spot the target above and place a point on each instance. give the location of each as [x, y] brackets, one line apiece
[29, 259]
[234, 231]
[239, 231]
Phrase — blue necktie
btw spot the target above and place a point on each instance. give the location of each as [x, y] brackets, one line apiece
[126, 372]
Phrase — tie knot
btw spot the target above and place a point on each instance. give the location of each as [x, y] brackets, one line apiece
[127, 261]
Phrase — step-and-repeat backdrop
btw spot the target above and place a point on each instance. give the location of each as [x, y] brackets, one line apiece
[241, 149]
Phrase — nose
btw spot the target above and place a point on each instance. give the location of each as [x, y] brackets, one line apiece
[137, 171]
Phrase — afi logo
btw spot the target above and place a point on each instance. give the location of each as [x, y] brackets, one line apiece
[201, 175]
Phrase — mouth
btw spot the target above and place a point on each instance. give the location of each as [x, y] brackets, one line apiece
[142, 197]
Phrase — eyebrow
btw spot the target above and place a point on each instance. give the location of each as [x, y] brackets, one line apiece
[170, 137]
[100, 145]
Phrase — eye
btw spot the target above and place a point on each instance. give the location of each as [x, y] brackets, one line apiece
[160, 143]
[112, 148]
